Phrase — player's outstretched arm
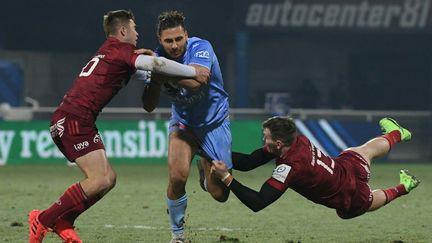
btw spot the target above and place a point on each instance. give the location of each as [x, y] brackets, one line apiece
[254, 200]
[246, 162]
[168, 67]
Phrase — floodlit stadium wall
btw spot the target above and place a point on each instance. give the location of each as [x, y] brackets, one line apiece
[131, 136]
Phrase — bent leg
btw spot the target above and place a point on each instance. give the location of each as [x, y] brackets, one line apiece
[372, 149]
[215, 144]
[379, 199]
[383, 196]
[214, 185]
[100, 178]
[380, 146]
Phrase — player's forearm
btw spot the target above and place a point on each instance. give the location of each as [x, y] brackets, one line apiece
[246, 162]
[252, 199]
[164, 66]
[190, 84]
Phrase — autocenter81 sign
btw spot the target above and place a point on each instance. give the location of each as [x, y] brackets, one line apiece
[330, 14]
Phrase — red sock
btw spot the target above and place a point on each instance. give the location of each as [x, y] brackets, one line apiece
[394, 192]
[393, 137]
[72, 197]
[72, 214]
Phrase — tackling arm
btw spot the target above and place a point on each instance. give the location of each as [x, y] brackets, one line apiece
[253, 199]
[246, 162]
[164, 66]
[249, 197]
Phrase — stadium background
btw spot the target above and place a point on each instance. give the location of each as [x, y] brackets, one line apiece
[347, 62]
[336, 66]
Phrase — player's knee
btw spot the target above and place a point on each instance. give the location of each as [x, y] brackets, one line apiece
[220, 198]
[111, 180]
[178, 179]
[106, 182]
[220, 195]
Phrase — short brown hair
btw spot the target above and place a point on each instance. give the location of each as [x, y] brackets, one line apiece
[114, 19]
[170, 19]
[281, 128]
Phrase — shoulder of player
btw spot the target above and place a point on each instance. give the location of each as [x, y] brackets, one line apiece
[115, 47]
[195, 42]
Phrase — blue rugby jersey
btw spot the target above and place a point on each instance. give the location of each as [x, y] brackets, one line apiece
[208, 105]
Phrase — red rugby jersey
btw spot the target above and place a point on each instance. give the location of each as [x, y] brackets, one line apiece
[100, 79]
[316, 176]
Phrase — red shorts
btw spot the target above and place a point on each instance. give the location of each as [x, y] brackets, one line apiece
[362, 198]
[73, 135]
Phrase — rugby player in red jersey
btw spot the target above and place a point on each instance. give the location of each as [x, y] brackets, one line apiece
[73, 126]
[340, 182]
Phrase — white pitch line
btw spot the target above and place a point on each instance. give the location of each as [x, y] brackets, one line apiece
[147, 227]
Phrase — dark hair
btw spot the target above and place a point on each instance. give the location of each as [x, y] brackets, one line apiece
[170, 19]
[114, 19]
[281, 128]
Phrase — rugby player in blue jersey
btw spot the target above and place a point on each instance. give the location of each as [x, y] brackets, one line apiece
[199, 122]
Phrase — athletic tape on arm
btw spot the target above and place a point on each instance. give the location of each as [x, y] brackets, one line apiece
[164, 66]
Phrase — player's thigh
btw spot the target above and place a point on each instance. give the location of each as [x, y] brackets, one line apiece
[216, 143]
[181, 149]
[361, 151]
[95, 164]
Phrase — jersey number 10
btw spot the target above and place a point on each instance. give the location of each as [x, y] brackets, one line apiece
[89, 67]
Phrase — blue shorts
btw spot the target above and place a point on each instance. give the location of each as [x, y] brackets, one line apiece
[213, 143]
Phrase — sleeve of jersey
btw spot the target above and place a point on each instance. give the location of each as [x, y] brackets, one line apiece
[281, 177]
[253, 199]
[202, 54]
[127, 54]
[246, 162]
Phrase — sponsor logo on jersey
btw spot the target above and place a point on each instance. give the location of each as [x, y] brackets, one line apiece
[188, 100]
[58, 128]
[81, 146]
[202, 54]
[280, 173]
[96, 138]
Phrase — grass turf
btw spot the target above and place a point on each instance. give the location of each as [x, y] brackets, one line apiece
[135, 210]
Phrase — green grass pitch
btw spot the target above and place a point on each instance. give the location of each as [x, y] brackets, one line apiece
[135, 210]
